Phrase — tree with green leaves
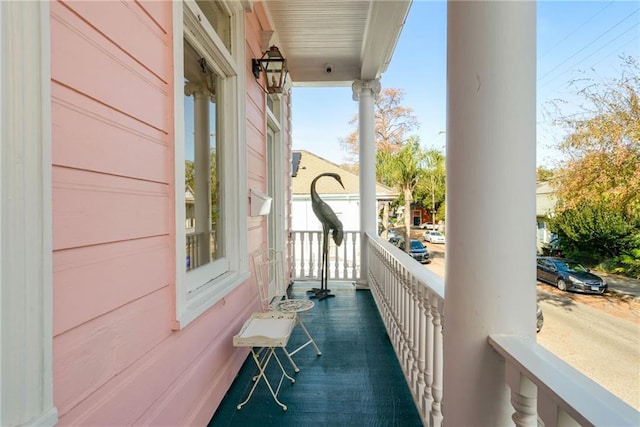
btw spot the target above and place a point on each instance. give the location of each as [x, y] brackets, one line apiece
[602, 145]
[595, 230]
[598, 186]
[402, 170]
[431, 189]
[543, 174]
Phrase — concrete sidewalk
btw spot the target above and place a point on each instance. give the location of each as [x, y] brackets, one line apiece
[623, 286]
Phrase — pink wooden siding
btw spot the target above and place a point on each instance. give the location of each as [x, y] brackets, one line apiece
[256, 133]
[117, 360]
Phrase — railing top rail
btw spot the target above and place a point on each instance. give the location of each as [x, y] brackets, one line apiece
[424, 275]
[583, 399]
[320, 231]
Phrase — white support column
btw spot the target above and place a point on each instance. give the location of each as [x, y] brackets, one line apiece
[26, 274]
[202, 166]
[365, 92]
[491, 132]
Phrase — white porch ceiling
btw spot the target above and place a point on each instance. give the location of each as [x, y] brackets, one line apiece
[355, 37]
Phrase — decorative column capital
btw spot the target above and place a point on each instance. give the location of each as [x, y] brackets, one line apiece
[359, 86]
[198, 89]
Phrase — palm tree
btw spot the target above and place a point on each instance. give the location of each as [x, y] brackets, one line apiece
[403, 170]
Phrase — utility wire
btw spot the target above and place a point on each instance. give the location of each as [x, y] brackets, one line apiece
[576, 30]
[596, 51]
[589, 44]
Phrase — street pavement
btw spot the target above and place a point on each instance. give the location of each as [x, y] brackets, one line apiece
[620, 285]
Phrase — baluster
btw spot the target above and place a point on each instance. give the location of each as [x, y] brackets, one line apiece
[397, 310]
[319, 238]
[354, 238]
[523, 397]
[196, 252]
[422, 344]
[406, 326]
[415, 330]
[336, 263]
[436, 407]
[388, 285]
[383, 289]
[343, 257]
[392, 305]
[294, 256]
[312, 256]
[430, 346]
[303, 257]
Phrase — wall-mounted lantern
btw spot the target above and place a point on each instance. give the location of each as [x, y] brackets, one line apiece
[274, 66]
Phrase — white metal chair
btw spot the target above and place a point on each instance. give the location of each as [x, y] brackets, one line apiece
[263, 333]
[272, 288]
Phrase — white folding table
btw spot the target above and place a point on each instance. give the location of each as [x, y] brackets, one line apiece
[263, 333]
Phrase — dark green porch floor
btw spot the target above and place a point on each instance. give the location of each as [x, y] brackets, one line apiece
[356, 382]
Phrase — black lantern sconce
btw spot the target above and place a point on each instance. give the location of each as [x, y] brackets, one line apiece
[275, 70]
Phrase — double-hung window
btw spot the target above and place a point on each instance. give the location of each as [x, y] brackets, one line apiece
[210, 164]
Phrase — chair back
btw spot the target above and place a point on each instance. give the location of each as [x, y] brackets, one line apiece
[269, 271]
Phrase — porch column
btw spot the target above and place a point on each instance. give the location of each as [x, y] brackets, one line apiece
[202, 169]
[491, 235]
[365, 92]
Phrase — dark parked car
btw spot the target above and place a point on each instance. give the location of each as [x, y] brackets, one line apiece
[395, 240]
[417, 251]
[569, 275]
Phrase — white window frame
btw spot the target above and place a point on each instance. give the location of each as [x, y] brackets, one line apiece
[201, 288]
[26, 242]
[275, 167]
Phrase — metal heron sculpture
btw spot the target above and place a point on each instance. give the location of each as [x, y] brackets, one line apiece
[330, 223]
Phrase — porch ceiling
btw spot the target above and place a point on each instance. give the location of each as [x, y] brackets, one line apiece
[356, 37]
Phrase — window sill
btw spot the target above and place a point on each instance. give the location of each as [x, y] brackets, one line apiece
[206, 296]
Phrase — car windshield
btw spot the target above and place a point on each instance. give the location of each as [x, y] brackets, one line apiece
[570, 266]
[415, 244]
[436, 233]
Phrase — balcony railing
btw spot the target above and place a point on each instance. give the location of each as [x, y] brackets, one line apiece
[410, 299]
[198, 252]
[344, 260]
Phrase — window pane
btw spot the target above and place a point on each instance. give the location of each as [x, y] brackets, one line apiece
[218, 18]
[202, 207]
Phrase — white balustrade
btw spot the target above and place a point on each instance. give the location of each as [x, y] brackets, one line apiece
[544, 387]
[410, 298]
[344, 260]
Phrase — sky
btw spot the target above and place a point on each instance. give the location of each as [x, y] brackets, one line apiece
[575, 40]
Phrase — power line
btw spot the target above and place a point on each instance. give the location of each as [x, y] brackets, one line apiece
[611, 41]
[576, 30]
[589, 44]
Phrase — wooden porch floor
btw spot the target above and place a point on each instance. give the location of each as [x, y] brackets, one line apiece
[356, 382]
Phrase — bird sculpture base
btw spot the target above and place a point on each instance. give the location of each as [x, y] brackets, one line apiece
[320, 293]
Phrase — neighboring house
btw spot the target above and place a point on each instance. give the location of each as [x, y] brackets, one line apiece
[345, 202]
[545, 206]
[420, 215]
